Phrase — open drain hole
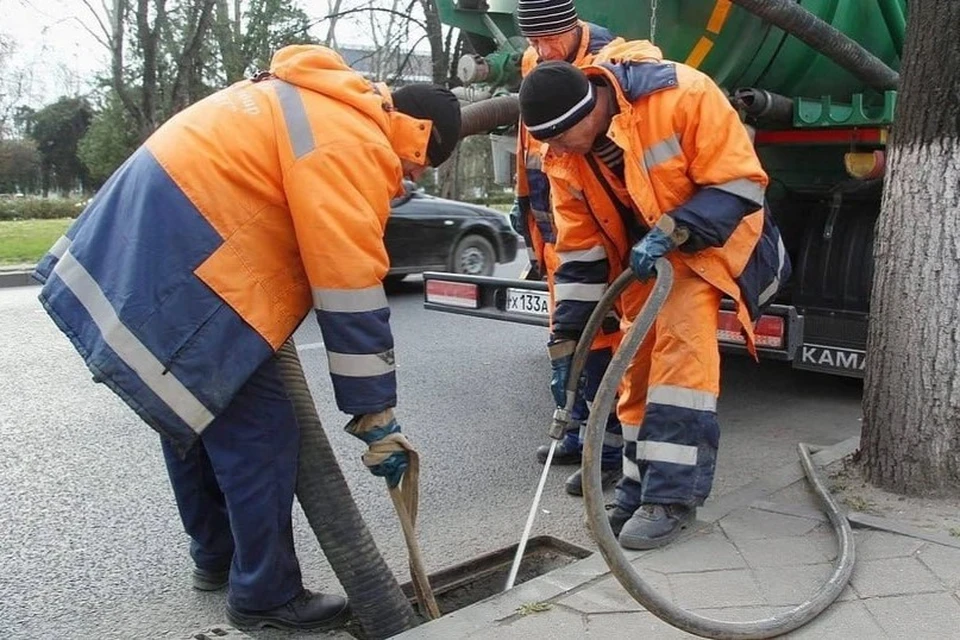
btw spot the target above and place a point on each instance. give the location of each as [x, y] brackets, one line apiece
[470, 582]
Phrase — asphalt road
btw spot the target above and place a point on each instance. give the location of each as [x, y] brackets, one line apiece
[91, 545]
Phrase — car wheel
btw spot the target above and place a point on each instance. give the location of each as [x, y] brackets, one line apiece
[474, 256]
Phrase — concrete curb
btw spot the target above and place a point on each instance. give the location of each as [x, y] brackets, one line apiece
[18, 278]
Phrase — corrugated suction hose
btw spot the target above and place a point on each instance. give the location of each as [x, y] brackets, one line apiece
[376, 599]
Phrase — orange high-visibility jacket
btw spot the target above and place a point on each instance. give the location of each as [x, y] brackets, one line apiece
[532, 189]
[207, 248]
[685, 153]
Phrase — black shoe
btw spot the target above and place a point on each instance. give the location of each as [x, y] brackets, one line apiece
[305, 611]
[562, 456]
[608, 478]
[204, 580]
[654, 525]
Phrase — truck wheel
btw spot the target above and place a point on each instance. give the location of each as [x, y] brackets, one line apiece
[474, 256]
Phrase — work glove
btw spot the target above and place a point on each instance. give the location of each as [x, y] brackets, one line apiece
[387, 455]
[660, 240]
[561, 358]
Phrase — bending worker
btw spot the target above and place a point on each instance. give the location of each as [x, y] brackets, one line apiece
[647, 159]
[555, 33]
[199, 258]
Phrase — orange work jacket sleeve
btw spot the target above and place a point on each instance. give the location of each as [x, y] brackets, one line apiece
[339, 199]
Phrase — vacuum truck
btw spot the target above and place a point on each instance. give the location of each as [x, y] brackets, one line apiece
[815, 83]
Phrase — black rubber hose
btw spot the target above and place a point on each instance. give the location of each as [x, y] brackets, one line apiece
[376, 599]
[625, 573]
[764, 106]
[487, 115]
[826, 39]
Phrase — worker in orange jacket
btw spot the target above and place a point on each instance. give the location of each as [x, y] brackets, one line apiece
[199, 258]
[647, 159]
[556, 33]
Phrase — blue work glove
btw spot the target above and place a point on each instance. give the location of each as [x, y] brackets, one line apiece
[561, 358]
[386, 456]
[652, 247]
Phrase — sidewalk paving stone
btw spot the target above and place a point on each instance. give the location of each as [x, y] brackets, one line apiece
[841, 621]
[714, 589]
[893, 577]
[709, 550]
[794, 585]
[933, 615]
[626, 626]
[816, 547]
[751, 524]
[876, 545]
[944, 562]
[563, 625]
[608, 596]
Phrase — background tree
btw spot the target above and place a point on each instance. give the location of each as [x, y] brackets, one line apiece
[110, 139]
[249, 32]
[158, 55]
[14, 84]
[57, 129]
[911, 404]
[19, 166]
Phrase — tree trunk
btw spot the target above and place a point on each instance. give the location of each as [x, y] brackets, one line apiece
[911, 404]
[438, 54]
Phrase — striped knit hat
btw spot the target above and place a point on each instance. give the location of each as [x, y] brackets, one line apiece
[538, 18]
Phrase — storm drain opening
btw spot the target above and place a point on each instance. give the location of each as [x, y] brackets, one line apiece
[470, 582]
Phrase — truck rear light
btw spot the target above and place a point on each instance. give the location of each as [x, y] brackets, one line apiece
[768, 331]
[453, 294]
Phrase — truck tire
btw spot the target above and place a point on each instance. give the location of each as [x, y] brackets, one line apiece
[474, 255]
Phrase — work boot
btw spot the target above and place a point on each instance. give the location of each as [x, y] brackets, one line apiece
[306, 611]
[567, 453]
[654, 525]
[617, 516]
[608, 478]
[205, 580]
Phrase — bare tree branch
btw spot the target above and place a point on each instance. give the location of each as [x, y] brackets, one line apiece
[96, 16]
[331, 38]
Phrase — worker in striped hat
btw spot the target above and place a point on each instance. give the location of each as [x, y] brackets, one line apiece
[556, 33]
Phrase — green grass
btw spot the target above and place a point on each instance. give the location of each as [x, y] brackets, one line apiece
[26, 241]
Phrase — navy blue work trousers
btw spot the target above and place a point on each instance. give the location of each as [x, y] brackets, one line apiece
[234, 490]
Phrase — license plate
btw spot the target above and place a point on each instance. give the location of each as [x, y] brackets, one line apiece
[832, 358]
[534, 303]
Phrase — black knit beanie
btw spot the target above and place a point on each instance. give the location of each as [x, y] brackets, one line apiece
[553, 97]
[439, 105]
[538, 18]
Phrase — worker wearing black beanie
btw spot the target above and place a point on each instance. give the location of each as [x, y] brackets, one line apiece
[439, 105]
[647, 161]
[555, 97]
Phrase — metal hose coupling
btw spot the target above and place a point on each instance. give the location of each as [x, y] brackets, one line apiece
[560, 424]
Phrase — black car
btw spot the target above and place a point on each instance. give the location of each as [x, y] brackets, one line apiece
[427, 233]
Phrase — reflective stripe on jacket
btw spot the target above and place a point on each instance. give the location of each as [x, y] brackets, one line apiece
[533, 189]
[686, 153]
[208, 247]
